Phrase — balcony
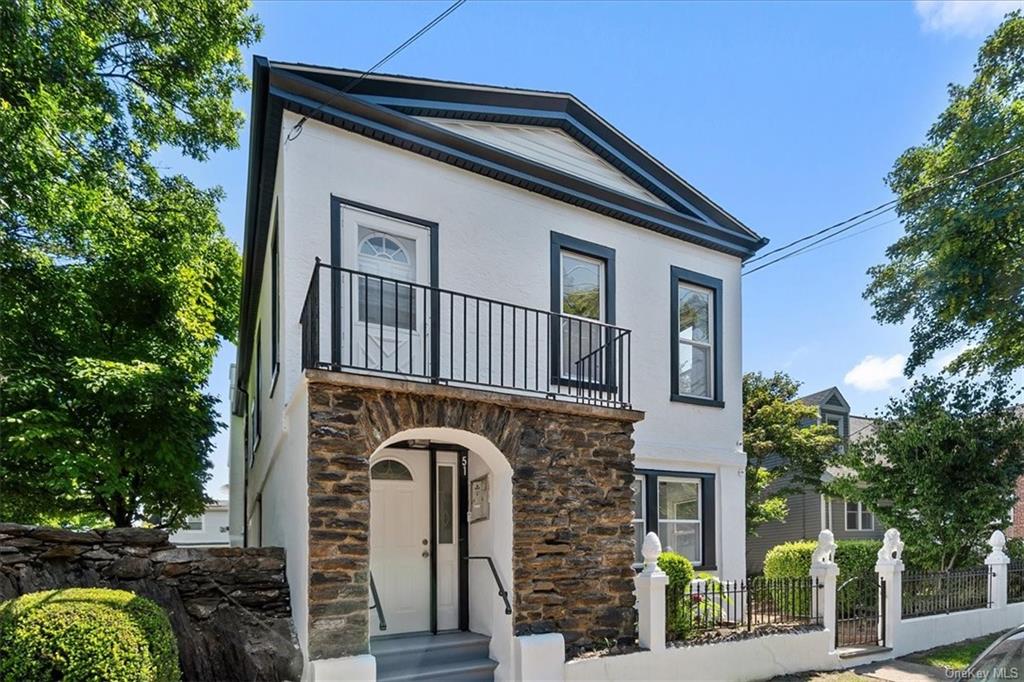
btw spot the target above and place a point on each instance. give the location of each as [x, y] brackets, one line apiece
[365, 323]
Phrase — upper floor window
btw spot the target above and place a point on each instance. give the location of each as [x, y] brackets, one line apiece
[583, 291]
[858, 517]
[381, 300]
[696, 346]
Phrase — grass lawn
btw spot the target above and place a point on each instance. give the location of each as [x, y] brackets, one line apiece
[836, 676]
[954, 656]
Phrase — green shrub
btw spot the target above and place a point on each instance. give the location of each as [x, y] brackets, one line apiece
[1015, 549]
[679, 619]
[86, 634]
[677, 567]
[793, 559]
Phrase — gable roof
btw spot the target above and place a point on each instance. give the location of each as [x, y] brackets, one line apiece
[829, 399]
[470, 126]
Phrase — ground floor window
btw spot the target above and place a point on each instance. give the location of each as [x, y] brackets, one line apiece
[858, 517]
[680, 508]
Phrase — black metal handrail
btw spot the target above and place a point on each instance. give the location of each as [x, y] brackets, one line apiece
[376, 606]
[385, 325]
[497, 579]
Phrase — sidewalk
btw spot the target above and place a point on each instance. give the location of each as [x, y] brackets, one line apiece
[899, 670]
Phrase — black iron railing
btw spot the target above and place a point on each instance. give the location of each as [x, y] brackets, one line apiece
[860, 611]
[927, 593]
[502, 592]
[361, 322]
[1015, 583]
[703, 605]
[376, 605]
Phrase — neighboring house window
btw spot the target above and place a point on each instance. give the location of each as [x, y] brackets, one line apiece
[257, 410]
[836, 422]
[275, 305]
[383, 302]
[696, 338]
[639, 517]
[858, 517]
[680, 508]
[194, 523]
[583, 296]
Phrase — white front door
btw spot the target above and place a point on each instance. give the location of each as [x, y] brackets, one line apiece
[384, 324]
[400, 539]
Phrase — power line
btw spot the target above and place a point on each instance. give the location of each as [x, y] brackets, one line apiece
[805, 249]
[887, 206]
[297, 128]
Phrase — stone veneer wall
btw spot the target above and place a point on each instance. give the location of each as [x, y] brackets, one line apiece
[229, 606]
[572, 506]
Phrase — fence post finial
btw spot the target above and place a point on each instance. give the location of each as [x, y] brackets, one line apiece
[651, 550]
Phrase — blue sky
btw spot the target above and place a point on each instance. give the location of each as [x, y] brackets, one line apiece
[789, 115]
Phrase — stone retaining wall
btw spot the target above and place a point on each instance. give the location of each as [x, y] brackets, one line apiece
[229, 606]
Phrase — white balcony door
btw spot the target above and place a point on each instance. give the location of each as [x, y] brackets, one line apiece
[400, 540]
[384, 324]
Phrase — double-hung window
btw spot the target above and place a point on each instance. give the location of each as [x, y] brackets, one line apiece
[858, 517]
[583, 299]
[696, 338]
[680, 508]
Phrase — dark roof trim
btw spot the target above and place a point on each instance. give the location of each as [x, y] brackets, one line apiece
[425, 97]
[385, 125]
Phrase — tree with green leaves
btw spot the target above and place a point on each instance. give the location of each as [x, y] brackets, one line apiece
[787, 450]
[118, 282]
[958, 270]
[941, 466]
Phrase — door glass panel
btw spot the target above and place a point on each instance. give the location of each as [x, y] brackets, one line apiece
[582, 297]
[384, 302]
[390, 470]
[445, 502]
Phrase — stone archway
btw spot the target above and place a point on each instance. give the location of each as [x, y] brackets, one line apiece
[571, 466]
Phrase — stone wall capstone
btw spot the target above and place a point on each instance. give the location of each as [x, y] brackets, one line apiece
[572, 507]
[229, 606]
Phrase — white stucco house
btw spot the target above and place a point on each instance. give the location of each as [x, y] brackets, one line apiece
[487, 343]
[209, 529]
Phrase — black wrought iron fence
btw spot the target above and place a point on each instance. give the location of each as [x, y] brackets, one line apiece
[704, 605]
[1015, 583]
[362, 322]
[926, 593]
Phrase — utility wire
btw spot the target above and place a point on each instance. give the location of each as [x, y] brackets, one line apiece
[805, 249]
[887, 206]
[297, 128]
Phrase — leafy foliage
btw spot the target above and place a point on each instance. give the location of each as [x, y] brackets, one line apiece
[958, 270]
[941, 466]
[779, 430]
[677, 567]
[118, 283]
[793, 559]
[86, 634]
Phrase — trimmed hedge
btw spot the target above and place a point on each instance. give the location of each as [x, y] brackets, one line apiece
[793, 559]
[86, 634]
[677, 567]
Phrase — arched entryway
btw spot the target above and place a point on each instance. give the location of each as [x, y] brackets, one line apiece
[440, 518]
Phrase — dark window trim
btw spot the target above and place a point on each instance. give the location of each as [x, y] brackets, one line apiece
[257, 391]
[336, 259]
[715, 285]
[275, 308]
[708, 554]
[564, 242]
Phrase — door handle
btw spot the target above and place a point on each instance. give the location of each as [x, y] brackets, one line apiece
[425, 554]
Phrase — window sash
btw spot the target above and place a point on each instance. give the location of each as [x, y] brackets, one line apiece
[863, 518]
[708, 346]
[581, 335]
[601, 284]
[639, 522]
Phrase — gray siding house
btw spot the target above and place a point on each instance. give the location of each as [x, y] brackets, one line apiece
[810, 512]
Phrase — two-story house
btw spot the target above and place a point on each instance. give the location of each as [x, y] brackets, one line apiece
[810, 511]
[487, 342]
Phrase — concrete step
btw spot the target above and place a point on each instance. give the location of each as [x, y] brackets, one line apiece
[445, 656]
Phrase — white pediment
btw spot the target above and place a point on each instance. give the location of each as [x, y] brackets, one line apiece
[551, 147]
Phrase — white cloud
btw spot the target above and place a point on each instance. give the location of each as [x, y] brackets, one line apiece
[875, 373]
[972, 18]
